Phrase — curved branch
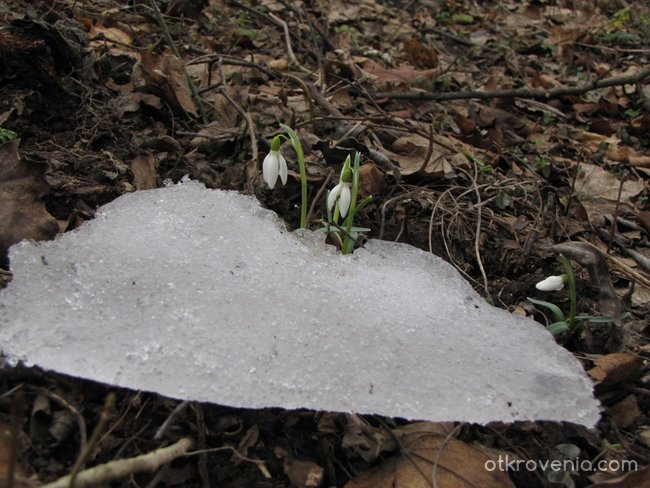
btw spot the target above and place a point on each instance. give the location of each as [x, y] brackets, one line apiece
[521, 92]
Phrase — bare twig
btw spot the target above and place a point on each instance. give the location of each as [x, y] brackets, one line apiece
[318, 196]
[382, 224]
[319, 98]
[249, 125]
[425, 162]
[624, 268]
[612, 228]
[614, 49]
[172, 45]
[94, 438]
[232, 60]
[170, 420]
[521, 92]
[102, 474]
[258, 462]
[307, 91]
[287, 37]
[446, 440]
[203, 457]
[479, 222]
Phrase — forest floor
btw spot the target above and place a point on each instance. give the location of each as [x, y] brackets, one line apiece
[490, 132]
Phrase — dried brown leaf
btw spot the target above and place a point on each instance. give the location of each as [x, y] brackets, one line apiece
[615, 368]
[625, 412]
[457, 464]
[62, 424]
[410, 153]
[371, 180]
[113, 33]
[633, 479]
[402, 74]
[144, 172]
[165, 73]
[364, 440]
[22, 212]
[304, 474]
[419, 55]
[596, 182]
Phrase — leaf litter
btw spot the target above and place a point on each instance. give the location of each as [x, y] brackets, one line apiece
[570, 167]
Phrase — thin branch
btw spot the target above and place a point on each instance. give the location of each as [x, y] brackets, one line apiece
[121, 468]
[287, 38]
[104, 416]
[170, 420]
[257, 462]
[521, 92]
[318, 196]
[249, 123]
[172, 45]
[439, 452]
[479, 223]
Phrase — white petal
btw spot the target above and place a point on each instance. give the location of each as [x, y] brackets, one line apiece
[270, 168]
[283, 169]
[552, 283]
[344, 200]
[331, 198]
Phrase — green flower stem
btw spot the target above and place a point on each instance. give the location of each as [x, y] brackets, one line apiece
[572, 290]
[297, 146]
[348, 243]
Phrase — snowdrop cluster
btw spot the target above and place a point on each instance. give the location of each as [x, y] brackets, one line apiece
[341, 200]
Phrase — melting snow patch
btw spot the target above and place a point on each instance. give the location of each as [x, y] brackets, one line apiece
[203, 295]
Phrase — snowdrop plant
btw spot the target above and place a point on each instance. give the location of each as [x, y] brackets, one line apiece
[342, 201]
[341, 194]
[275, 165]
[562, 324]
[556, 283]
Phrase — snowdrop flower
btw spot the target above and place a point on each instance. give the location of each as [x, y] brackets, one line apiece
[552, 283]
[341, 192]
[274, 164]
